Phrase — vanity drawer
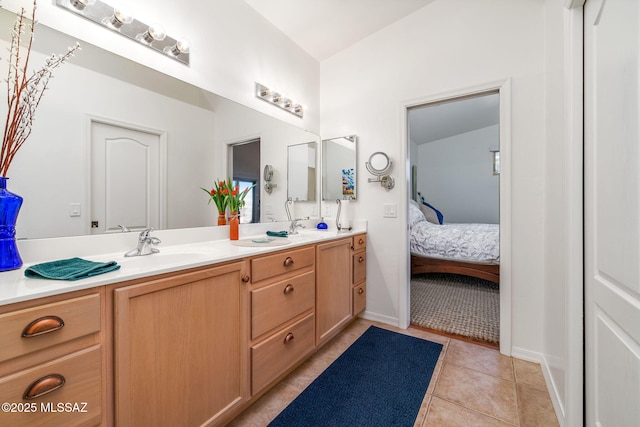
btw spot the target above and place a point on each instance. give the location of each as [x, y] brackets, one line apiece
[274, 356]
[273, 305]
[359, 267]
[359, 242]
[81, 376]
[32, 329]
[359, 298]
[283, 262]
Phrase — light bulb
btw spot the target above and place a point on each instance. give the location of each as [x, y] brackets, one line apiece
[81, 4]
[155, 32]
[121, 16]
[181, 46]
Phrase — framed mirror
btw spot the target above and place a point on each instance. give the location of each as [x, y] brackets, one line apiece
[301, 172]
[339, 168]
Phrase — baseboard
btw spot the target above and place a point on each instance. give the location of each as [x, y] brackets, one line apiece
[553, 392]
[375, 317]
[528, 355]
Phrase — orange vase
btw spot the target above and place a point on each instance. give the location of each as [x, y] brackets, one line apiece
[234, 223]
[222, 220]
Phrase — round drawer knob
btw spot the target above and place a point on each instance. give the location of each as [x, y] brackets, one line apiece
[361, 291]
[288, 289]
[288, 338]
[245, 278]
[360, 259]
[288, 261]
[361, 241]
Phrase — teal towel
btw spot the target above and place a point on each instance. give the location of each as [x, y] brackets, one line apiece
[277, 233]
[70, 269]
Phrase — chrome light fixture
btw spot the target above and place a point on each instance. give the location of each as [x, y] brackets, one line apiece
[276, 98]
[120, 20]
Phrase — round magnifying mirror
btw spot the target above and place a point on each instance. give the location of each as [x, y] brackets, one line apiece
[379, 163]
[268, 172]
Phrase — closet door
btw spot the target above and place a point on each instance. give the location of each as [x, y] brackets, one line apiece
[612, 212]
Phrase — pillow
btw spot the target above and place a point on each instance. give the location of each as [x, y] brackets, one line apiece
[415, 213]
[431, 214]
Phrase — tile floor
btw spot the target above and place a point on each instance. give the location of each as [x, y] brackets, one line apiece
[472, 385]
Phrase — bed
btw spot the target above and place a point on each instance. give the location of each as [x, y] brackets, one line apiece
[466, 249]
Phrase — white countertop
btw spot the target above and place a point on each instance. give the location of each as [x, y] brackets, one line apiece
[15, 287]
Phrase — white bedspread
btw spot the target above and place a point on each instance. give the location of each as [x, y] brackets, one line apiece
[462, 242]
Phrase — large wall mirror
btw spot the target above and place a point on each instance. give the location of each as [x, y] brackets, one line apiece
[301, 172]
[190, 133]
[339, 168]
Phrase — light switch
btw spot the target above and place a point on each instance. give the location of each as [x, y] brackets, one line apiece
[390, 210]
[74, 209]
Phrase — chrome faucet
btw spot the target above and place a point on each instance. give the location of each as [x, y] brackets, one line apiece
[293, 228]
[144, 244]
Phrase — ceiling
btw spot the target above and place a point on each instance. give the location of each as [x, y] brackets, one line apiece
[442, 120]
[325, 27]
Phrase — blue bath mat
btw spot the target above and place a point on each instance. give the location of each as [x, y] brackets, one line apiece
[380, 380]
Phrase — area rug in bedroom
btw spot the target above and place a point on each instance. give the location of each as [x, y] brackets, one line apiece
[380, 380]
[456, 304]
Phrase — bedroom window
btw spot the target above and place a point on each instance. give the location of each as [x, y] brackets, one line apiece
[496, 162]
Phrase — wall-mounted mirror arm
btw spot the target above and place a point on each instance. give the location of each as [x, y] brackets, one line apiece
[379, 165]
[268, 177]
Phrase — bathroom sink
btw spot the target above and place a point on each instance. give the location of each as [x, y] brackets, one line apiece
[164, 258]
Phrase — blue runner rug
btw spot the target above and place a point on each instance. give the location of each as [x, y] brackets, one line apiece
[380, 380]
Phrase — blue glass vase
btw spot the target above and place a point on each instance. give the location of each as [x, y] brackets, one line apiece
[9, 207]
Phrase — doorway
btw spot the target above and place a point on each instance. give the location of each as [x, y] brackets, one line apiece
[245, 172]
[455, 244]
[497, 158]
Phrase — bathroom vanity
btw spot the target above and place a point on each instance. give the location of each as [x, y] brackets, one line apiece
[195, 345]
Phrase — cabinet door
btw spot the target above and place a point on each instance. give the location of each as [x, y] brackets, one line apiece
[181, 348]
[333, 288]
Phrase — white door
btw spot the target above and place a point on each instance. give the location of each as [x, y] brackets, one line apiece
[612, 214]
[126, 179]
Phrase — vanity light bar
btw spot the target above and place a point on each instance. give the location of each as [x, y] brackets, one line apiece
[119, 19]
[275, 98]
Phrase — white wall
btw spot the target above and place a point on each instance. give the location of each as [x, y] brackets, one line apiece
[446, 46]
[455, 175]
[232, 47]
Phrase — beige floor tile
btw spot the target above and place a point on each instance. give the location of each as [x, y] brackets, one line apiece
[529, 373]
[536, 409]
[422, 413]
[479, 358]
[265, 409]
[442, 413]
[477, 391]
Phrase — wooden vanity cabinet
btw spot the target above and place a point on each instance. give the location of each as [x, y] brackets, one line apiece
[282, 314]
[181, 348]
[51, 361]
[333, 288]
[359, 278]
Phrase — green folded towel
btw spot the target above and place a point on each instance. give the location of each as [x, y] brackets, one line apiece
[277, 233]
[69, 269]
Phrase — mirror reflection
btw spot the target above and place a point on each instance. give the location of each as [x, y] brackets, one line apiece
[339, 168]
[301, 172]
[191, 135]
